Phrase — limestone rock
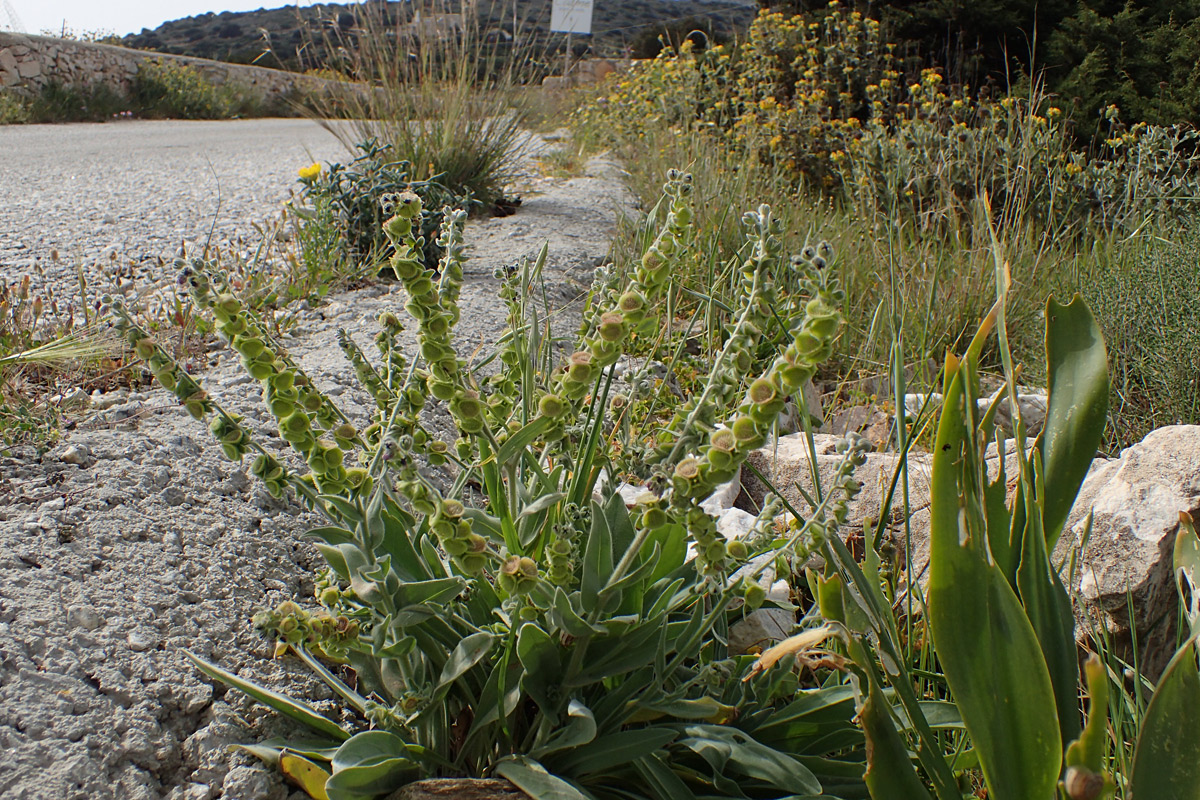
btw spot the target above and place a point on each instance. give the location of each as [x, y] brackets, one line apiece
[1135, 502]
[788, 465]
[459, 789]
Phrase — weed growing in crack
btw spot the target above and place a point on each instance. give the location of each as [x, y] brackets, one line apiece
[527, 634]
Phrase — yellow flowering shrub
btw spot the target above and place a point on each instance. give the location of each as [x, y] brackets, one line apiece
[822, 99]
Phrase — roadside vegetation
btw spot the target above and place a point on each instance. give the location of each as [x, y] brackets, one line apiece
[491, 606]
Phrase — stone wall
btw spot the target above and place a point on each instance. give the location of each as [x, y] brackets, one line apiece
[27, 63]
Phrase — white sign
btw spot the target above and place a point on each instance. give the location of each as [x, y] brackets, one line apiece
[571, 16]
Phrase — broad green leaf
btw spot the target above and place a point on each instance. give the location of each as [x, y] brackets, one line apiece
[541, 656]
[985, 643]
[370, 763]
[516, 444]
[433, 592]
[666, 785]
[541, 504]
[1087, 752]
[707, 709]
[614, 750]
[405, 559]
[469, 652]
[579, 730]
[1077, 367]
[297, 710]
[890, 773]
[1166, 761]
[1048, 608]
[308, 775]
[618, 654]
[728, 749]
[532, 779]
[1187, 570]
[597, 559]
[567, 618]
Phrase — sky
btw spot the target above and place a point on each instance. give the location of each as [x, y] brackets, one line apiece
[119, 16]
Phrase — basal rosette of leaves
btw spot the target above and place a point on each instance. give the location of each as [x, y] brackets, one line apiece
[549, 635]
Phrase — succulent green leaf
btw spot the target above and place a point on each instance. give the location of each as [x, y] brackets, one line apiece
[469, 652]
[665, 784]
[597, 559]
[986, 645]
[299, 711]
[532, 779]
[1077, 366]
[890, 774]
[1166, 761]
[1187, 570]
[579, 730]
[370, 763]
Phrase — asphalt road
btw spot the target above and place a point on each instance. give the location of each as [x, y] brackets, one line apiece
[117, 196]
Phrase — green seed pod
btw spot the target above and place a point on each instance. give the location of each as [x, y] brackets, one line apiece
[761, 391]
[420, 286]
[722, 439]
[714, 553]
[455, 548]
[654, 517]
[235, 327]
[258, 370]
[397, 228]
[631, 303]
[145, 348]
[528, 614]
[166, 378]
[737, 550]
[688, 469]
[719, 459]
[528, 568]
[754, 595]
[552, 406]
[472, 563]
[744, 430]
[612, 327]
[405, 269]
[228, 304]
[295, 423]
[467, 406]
[248, 346]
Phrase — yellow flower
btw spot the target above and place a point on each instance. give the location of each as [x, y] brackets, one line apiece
[310, 172]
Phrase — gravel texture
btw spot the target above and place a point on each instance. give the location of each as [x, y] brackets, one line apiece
[117, 197]
[135, 539]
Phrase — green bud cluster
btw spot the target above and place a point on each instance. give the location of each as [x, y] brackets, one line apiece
[292, 624]
[168, 372]
[517, 575]
[453, 245]
[562, 549]
[468, 549]
[367, 375]
[273, 474]
[686, 429]
[234, 439]
[610, 320]
[434, 307]
[654, 270]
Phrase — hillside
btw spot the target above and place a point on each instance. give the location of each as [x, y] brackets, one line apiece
[291, 37]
